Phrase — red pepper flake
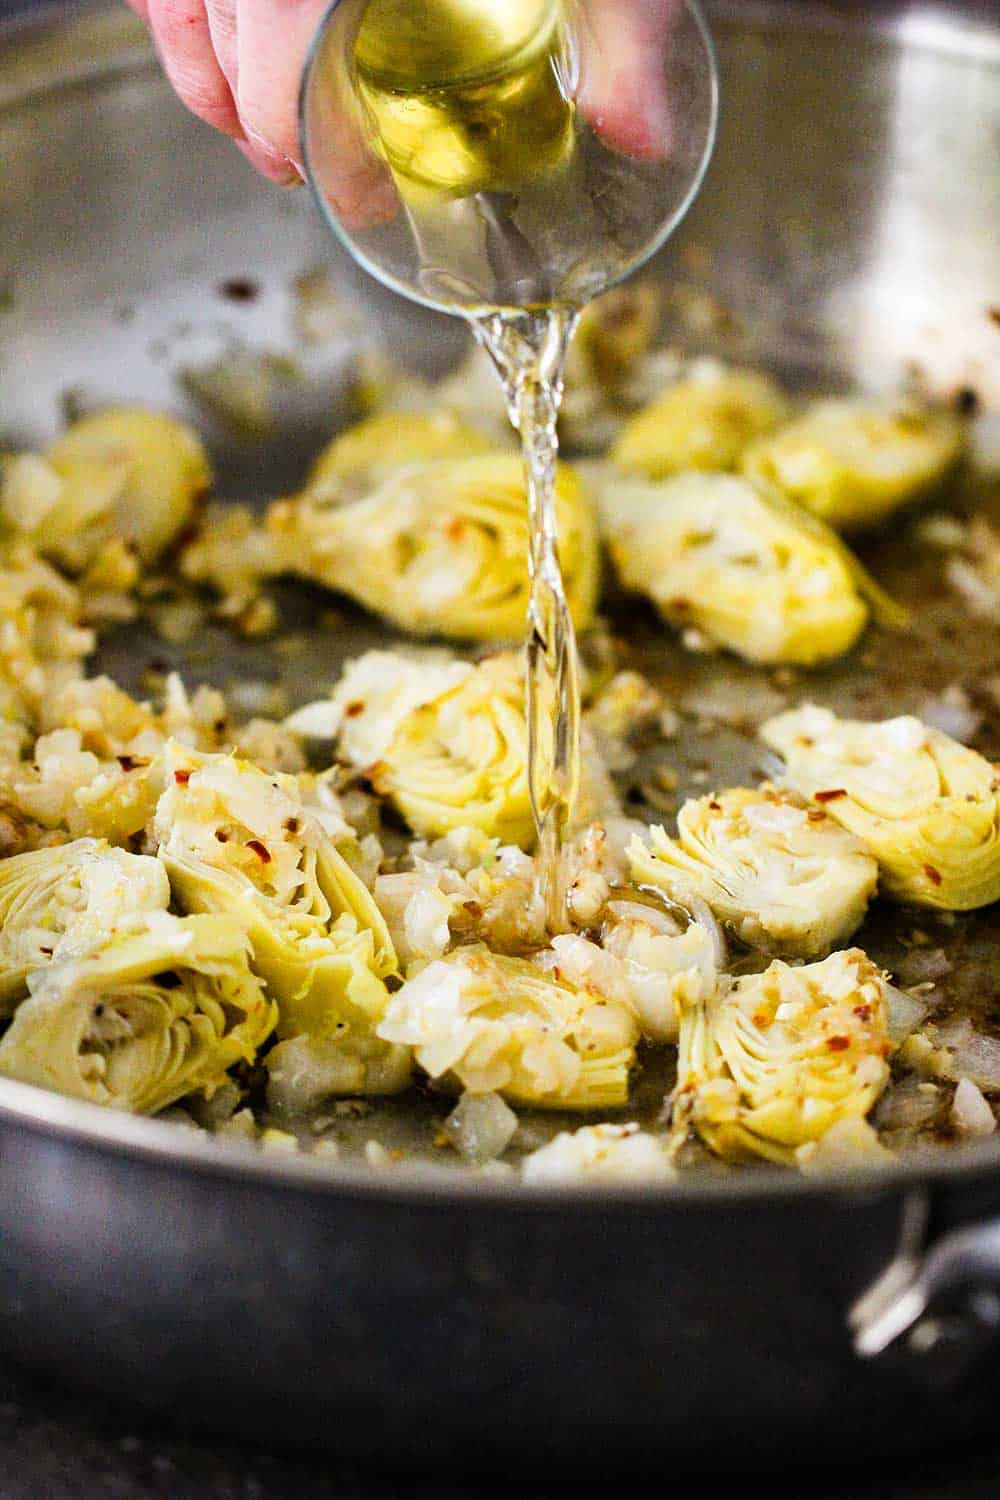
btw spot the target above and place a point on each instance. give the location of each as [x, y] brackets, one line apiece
[353, 709]
[291, 825]
[715, 806]
[838, 1043]
[934, 876]
[832, 796]
[816, 815]
[455, 530]
[260, 850]
[182, 777]
[863, 1012]
[762, 1019]
[222, 836]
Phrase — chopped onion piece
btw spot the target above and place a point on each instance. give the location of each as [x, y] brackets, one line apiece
[481, 1127]
[970, 1113]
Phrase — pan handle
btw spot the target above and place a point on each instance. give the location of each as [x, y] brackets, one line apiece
[942, 1301]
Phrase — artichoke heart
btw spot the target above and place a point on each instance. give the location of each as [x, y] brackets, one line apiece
[441, 548]
[366, 455]
[492, 1024]
[460, 761]
[127, 473]
[853, 462]
[234, 839]
[783, 1057]
[150, 1016]
[375, 693]
[925, 807]
[702, 422]
[782, 875]
[60, 901]
[716, 554]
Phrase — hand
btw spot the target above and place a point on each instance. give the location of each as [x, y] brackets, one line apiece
[236, 64]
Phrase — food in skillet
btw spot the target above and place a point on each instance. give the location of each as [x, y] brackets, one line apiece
[304, 930]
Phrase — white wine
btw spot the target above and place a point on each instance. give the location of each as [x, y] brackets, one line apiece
[470, 105]
[465, 96]
[529, 350]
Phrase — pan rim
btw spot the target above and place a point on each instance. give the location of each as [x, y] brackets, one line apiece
[119, 45]
[167, 1144]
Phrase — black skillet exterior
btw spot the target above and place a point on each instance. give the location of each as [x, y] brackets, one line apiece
[447, 1329]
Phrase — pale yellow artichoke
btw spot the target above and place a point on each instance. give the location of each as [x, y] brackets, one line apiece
[925, 807]
[783, 1057]
[442, 548]
[703, 422]
[781, 875]
[461, 760]
[365, 456]
[237, 840]
[741, 567]
[853, 462]
[149, 1016]
[65, 900]
[122, 473]
[491, 1024]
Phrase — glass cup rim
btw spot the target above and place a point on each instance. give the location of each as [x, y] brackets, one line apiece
[412, 293]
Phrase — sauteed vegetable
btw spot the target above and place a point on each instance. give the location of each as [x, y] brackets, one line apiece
[299, 929]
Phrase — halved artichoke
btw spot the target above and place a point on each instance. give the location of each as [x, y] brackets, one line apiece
[715, 553]
[442, 548]
[60, 901]
[703, 422]
[124, 473]
[491, 1024]
[365, 456]
[853, 462]
[925, 807]
[374, 695]
[461, 760]
[783, 876]
[234, 839]
[783, 1057]
[146, 1018]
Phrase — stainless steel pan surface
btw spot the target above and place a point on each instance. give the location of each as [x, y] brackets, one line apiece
[849, 231]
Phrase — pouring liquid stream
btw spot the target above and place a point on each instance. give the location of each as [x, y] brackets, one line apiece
[471, 105]
[529, 351]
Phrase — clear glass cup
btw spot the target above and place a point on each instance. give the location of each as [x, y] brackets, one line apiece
[484, 154]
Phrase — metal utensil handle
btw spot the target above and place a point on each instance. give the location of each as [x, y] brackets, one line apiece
[960, 1273]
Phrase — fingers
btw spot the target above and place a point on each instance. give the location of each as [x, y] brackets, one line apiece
[222, 28]
[183, 39]
[273, 38]
[623, 74]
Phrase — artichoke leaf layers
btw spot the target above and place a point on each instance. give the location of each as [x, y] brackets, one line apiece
[64, 900]
[152, 1015]
[783, 1057]
[781, 875]
[925, 807]
[235, 839]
